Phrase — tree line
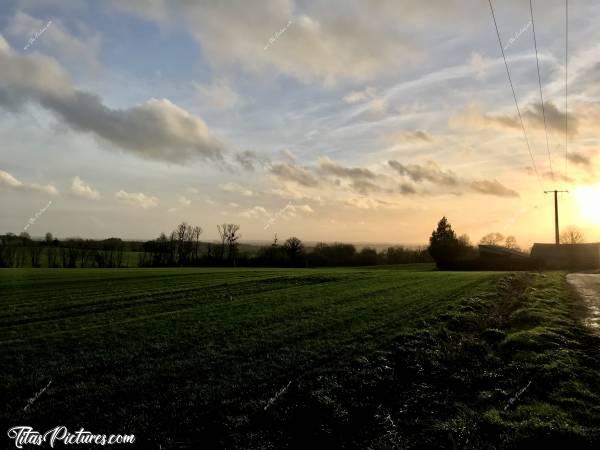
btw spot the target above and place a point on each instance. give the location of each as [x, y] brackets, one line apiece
[183, 247]
[23, 251]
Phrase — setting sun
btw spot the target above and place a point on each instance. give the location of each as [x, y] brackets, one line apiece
[587, 202]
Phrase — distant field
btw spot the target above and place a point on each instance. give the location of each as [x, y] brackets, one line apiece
[184, 357]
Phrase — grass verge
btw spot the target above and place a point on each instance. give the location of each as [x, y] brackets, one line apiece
[506, 369]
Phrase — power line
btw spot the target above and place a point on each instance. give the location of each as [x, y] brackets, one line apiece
[540, 84]
[514, 95]
[566, 85]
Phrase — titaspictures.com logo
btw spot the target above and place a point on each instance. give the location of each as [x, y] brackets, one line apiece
[24, 435]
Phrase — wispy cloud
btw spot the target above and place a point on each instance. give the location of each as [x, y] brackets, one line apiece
[294, 173]
[137, 199]
[493, 187]
[430, 171]
[250, 160]
[329, 167]
[579, 159]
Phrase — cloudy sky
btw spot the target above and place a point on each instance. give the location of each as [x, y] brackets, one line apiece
[361, 121]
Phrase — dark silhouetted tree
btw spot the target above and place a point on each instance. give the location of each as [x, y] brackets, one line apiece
[294, 249]
[444, 247]
[465, 240]
[367, 257]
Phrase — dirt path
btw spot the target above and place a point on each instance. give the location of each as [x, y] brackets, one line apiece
[588, 286]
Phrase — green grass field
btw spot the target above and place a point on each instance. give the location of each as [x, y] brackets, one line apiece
[388, 357]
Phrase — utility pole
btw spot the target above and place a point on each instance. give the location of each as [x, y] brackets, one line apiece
[556, 234]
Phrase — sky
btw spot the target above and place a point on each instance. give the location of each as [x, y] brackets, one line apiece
[361, 121]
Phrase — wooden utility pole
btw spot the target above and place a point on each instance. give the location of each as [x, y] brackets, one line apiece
[556, 233]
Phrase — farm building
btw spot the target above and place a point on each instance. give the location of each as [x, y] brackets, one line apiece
[495, 257]
[567, 256]
[493, 252]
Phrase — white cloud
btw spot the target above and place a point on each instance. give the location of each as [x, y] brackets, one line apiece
[183, 201]
[480, 65]
[9, 181]
[304, 208]
[376, 110]
[359, 96]
[82, 189]
[138, 199]
[234, 187]
[363, 203]
[324, 46]
[255, 213]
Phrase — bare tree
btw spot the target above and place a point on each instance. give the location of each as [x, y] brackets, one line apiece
[221, 229]
[232, 241]
[196, 232]
[181, 234]
[572, 235]
[230, 237]
[511, 242]
[492, 239]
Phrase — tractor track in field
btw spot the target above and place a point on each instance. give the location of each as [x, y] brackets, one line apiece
[587, 286]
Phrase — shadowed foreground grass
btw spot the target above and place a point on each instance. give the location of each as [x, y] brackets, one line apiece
[271, 358]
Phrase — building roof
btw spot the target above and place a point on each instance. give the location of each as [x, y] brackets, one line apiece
[501, 251]
[594, 245]
[567, 255]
